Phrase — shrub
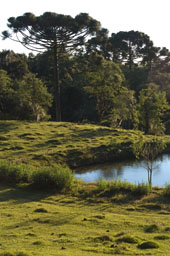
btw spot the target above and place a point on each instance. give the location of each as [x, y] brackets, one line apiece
[12, 173]
[56, 177]
[148, 245]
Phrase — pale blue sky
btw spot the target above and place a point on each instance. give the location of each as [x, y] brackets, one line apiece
[149, 16]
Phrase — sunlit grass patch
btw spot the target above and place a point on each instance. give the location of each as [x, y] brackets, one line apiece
[118, 186]
[127, 239]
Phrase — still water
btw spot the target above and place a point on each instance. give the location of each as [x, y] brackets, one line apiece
[132, 171]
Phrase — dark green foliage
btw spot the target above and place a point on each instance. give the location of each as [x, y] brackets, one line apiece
[57, 177]
[25, 99]
[152, 106]
[58, 32]
[91, 70]
[148, 245]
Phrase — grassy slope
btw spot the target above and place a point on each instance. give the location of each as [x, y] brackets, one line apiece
[73, 144]
[75, 224]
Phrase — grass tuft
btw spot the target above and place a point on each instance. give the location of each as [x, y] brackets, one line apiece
[56, 177]
[166, 190]
[118, 186]
[12, 173]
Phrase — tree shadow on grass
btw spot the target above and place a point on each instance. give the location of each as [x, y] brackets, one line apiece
[23, 195]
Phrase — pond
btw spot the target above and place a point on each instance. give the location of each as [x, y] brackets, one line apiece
[132, 171]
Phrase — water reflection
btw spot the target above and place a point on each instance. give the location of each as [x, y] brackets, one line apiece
[133, 171]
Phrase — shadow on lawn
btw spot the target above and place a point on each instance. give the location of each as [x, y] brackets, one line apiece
[7, 126]
[23, 195]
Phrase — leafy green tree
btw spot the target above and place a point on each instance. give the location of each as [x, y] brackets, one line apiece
[57, 32]
[127, 47]
[99, 43]
[124, 112]
[152, 106]
[26, 99]
[6, 95]
[136, 78]
[34, 99]
[104, 83]
[15, 64]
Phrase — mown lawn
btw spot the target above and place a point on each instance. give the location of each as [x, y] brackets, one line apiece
[82, 223]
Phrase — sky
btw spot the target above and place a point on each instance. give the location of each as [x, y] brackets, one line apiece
[151, 17]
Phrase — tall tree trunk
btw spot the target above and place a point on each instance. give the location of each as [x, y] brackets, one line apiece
[57, 86]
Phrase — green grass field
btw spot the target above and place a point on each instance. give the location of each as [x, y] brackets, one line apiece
[46, 143]
[83, 221]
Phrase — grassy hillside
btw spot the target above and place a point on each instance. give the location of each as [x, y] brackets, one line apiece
[47, 143]
[87, 220]
[82, 223]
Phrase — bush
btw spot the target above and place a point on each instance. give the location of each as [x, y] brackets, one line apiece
[56, 177]
[11, 173]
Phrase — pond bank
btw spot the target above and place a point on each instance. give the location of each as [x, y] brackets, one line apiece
[133, 171]
[75, 145]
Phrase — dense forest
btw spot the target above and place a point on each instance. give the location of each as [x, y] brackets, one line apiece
[82, 73]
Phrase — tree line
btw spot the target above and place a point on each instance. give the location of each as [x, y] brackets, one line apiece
[80, 73]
